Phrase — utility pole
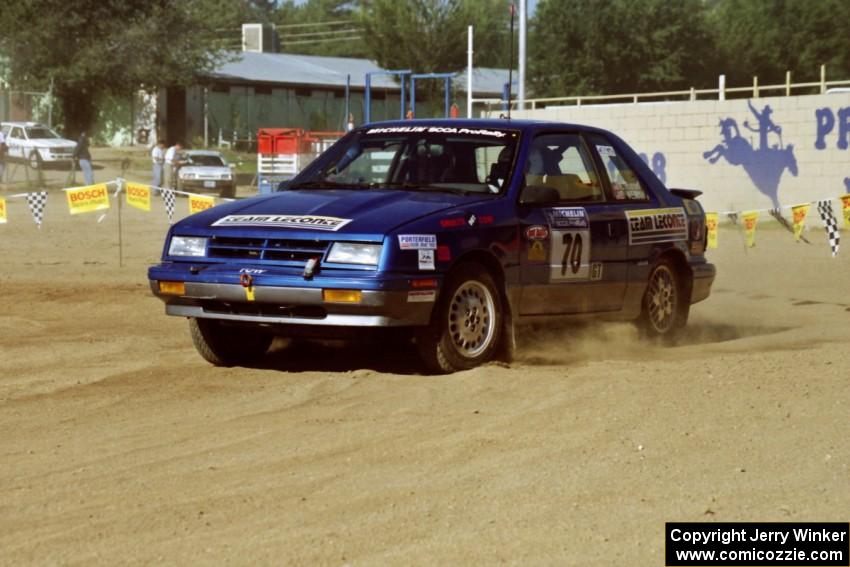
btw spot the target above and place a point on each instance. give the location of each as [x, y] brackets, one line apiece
[469, 73]
[523, 21]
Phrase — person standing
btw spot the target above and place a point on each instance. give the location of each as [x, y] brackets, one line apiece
[158, 158]
[3, 148]
[83, 157]
[172, 164]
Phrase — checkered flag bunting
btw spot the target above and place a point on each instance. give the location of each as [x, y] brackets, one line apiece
[36, 202]
[168, 198]
[831, 225]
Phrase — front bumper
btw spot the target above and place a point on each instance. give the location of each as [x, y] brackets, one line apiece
[287, 299]
[206, 184]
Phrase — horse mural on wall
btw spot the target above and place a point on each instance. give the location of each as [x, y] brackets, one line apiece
[764, 165]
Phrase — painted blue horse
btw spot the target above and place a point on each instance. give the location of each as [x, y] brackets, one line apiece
[764, 165]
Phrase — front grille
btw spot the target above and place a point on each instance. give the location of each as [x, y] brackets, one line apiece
[265, 310]
[281, 251]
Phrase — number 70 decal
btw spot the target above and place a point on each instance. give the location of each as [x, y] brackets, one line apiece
[570, 255]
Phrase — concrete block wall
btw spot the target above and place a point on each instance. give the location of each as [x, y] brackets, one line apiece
[782, 151]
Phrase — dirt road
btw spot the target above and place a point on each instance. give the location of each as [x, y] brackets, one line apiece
[121, 446]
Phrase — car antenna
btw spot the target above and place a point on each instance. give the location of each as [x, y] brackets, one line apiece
[511, 62]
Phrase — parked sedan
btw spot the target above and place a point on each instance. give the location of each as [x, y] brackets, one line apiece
[205, 170]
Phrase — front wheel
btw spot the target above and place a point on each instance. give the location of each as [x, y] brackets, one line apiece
[223, 345]
[665, 309]
[35, 161]
[466, 325]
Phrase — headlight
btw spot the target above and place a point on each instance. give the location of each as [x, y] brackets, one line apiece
[187, 246]
[187, 176]
[225, 176]
[354, 253]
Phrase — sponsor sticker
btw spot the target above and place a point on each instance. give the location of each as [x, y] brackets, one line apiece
[537, 252]
[537, 232]
[570, 260]
[87, 199]
[139, 196]
[422, 296]
[426, 259]
[596, 271]
[606, 151]
[417, 241]
[198, 203]
[312, 222]
[567, 217]
[657, 225]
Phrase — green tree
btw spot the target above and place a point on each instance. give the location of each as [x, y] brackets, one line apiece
[766, 38]
[429, 36]
[320, 27]
[581, 47]
[88, 49]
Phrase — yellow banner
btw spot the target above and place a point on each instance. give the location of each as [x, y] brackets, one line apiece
[88, 198]
[751, 219]
[198, 203]
[139, 196]
[711, 226]
[2, 210]
[845, 208]
[799, 213]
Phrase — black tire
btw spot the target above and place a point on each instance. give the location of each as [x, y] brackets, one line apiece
[228, 192]
[665, 308]
[35, 161]
[467, 323]
[221, 345]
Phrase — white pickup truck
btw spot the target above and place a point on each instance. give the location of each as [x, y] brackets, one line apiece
[36, 144]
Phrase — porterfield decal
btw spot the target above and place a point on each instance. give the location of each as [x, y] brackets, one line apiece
[657, 225]
[313, 222]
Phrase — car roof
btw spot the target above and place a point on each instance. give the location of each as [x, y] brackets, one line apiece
[18, 123]
[203, 153]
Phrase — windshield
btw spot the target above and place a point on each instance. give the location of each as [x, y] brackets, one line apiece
[468, 160]
[213, 161]
[40, 133]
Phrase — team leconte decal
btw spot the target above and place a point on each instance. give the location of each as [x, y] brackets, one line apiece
[426, 259]
[567, 217]
[657, 225]
[313, 222]
[417, 241]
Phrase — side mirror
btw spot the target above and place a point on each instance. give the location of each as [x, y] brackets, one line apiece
[539, 195]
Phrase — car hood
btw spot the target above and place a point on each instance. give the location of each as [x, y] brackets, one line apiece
[203, 170]
[360, 214]
[53, 142]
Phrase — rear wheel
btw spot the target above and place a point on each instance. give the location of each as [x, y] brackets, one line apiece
[665, 309]
[466, 326]
[223, 345]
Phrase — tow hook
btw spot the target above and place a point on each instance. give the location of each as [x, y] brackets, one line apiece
[247, 281]
[310, 268]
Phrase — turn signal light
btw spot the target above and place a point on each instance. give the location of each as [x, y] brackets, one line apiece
[342, 295]
[172, 288]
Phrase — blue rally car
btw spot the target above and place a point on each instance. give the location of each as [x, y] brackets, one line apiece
[453, 231]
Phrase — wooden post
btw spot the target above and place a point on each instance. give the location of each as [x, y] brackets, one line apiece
[822, 79]
[787, 83]
[755, 87]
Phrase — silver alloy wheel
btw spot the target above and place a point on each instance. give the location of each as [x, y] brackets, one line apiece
[661, 299]
[472, 321]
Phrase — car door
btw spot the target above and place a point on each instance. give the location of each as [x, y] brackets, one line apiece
[568, 233]
[15, 140]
